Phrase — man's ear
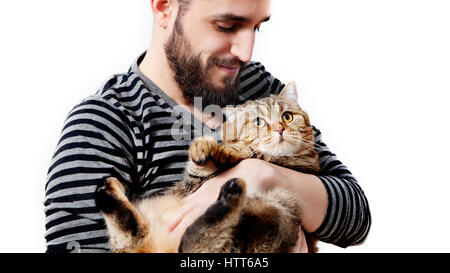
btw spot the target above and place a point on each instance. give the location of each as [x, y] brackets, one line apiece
[162, 10]
[289, 92]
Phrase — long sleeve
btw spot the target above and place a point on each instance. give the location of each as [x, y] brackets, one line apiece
[348, 219]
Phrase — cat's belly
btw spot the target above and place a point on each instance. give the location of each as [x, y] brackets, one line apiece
[160, 213]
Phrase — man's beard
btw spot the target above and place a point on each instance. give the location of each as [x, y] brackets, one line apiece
[193, 78]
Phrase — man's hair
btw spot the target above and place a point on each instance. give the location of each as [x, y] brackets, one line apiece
[183, 6]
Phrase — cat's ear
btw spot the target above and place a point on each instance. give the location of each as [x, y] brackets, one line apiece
[289, 92]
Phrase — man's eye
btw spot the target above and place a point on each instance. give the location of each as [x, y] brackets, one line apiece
[225, 27]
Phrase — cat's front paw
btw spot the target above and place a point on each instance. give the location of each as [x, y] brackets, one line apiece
[227, 156]
[202, 150]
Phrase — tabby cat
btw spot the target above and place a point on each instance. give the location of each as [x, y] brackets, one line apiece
[273, 129]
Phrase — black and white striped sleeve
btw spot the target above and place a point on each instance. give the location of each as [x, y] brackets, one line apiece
[94, 143]
[348, 219]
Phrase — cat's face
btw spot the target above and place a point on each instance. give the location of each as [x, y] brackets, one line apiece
[275, 125]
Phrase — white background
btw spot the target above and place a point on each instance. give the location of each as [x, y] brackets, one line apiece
[373, 75]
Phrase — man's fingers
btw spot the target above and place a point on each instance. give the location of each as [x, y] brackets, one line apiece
[175, 221]
[303, 245]
[300, 245]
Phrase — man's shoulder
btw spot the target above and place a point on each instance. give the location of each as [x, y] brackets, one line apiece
[111, 113]
[257, 82]
[124, 93]
[120, 87]
[252, 67]
[107, 105]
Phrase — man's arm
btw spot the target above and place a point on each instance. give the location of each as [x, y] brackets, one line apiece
[348, 218]
[94, 144]
[307, 189]
[334, 206]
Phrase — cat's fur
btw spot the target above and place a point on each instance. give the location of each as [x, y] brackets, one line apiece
[265, 222]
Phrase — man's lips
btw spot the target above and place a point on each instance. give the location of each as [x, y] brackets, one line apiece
[229, 69]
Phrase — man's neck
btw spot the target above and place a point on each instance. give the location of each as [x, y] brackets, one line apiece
[156, 67]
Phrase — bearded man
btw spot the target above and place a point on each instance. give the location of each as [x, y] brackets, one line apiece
[199, 49]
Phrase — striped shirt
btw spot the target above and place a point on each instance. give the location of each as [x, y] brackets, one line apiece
[124, 130]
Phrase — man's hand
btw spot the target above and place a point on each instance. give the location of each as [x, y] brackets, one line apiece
[257, 174]
[300, 246]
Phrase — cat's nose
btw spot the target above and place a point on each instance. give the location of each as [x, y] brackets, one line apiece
[280, 130]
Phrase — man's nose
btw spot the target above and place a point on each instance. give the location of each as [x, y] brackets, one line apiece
[242, 46]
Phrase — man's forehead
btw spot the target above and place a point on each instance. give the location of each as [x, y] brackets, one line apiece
[245, 11]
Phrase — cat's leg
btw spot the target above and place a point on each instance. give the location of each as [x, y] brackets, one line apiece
[270, 223]
[213, 231]
[306, 164]
[230, 154]
[223, 155]
[206, 159]
[290, 217]
[126, 227]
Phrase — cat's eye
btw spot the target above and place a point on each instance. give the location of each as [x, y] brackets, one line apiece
[287, 117]
[260, 122]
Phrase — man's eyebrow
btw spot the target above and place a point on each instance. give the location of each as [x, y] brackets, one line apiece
[237, 18]
[265, 19]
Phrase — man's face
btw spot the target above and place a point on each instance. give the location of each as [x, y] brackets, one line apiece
[210, 42]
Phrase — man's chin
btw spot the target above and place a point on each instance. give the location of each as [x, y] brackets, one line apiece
[215, 89]
[220, 87]
[222, 76]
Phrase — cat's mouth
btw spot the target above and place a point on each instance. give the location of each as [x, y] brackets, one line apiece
[284, 140]
[281, 145]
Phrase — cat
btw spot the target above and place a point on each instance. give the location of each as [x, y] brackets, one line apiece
[274, 129]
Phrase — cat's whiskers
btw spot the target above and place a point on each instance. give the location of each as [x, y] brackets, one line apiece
[316, 146]
[305, 145]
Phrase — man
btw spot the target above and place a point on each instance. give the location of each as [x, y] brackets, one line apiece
[199, 48]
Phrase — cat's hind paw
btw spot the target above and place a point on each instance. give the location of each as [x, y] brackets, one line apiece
[233, 192]
[108, 196]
